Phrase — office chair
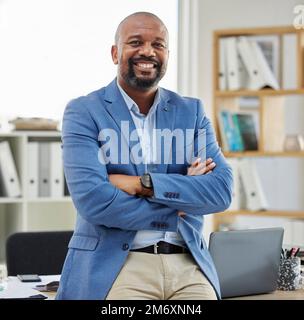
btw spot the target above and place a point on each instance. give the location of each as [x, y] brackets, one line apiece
[40, 253]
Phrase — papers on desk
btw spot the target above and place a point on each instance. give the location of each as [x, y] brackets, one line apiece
[17, 289]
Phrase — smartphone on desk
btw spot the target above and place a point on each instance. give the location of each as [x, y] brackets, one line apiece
[29, 277]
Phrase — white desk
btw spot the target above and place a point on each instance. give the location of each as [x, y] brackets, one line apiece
[276, 295]
[17, 289]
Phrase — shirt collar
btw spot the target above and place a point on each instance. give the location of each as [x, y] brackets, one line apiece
[131, 104]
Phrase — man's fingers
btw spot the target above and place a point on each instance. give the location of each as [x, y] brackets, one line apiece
[211, 166]
[196, 162]
[199, 160]
[201, 168]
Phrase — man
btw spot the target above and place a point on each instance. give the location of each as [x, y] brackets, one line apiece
[139, 225]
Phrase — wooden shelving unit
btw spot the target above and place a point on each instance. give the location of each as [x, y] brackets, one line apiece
[230, 100]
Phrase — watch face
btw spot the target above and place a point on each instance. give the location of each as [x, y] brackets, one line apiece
[146, 181]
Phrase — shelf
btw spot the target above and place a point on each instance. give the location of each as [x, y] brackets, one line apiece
[29, 133]
[245, 154]
[270, 213]
[255, 31]
[257, 93]
[48, 199]
[5, 200]
[11, 200]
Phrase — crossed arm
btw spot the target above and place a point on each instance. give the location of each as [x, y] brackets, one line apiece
[132, 185]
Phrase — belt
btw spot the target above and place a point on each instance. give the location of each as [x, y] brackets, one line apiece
[162, 247]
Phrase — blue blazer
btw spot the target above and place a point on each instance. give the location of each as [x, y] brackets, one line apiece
[108, 218]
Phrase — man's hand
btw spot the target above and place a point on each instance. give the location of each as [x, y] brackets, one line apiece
[130, 185]
[197, 168]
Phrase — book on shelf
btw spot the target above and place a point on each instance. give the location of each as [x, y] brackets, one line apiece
[248, 193]
[245, 126]
[232, 64]
[237, 201]
[222, 77]
[33, 172]
[247, 63]
[289, 61]
[238, 131]
[274, 123]
[9, 180]
[56, 170]
[251, 183]
[230, 137]
[51, 178]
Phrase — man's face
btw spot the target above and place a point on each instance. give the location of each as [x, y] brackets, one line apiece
[141, 52]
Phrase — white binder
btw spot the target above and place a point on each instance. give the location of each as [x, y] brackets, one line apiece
[236, 196]
[267, 76]
[232, 64]
[33, 170]
[56, 170]
[9, 179]
[44, 169]
[222, 76]
[255, 197]
[260, 74]
[289, 61]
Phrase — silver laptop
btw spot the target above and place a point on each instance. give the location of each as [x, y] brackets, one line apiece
[247, 261]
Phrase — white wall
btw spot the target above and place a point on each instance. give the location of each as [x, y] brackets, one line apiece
[56, 50]
[282, 179]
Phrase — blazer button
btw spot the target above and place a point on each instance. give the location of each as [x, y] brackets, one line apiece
[125, 247]
[153, 224]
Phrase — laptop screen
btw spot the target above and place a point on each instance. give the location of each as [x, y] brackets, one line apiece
[247, 261]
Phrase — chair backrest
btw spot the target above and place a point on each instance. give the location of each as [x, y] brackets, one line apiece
[40, 253]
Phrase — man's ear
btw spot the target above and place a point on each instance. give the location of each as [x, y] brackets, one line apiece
[114, 53]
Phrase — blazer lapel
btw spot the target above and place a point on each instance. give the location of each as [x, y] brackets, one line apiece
[120, 113]
[165, 119]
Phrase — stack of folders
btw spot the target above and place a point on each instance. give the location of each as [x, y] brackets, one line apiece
[9, 180]
[45, 169]
[238, 131]
[244, 65]
[247, 189]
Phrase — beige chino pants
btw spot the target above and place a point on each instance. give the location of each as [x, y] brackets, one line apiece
[147, 276]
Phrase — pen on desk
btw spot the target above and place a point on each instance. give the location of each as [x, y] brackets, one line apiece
[297, 252]
[293, 252]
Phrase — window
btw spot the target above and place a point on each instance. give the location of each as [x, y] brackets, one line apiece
[55, 50]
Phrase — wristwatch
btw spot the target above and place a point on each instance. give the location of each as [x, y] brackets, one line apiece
[146, 181]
